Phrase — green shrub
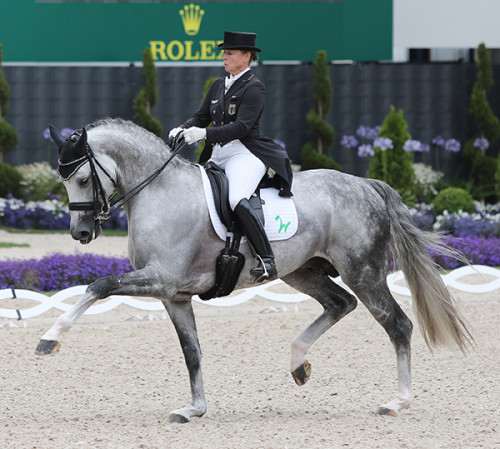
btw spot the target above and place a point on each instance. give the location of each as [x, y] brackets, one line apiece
[394, 165]
[482, 167]
[479, 108]
[313, 154]
[147, 96]
[40, 181]
[311, 159]
[497, 177]
[453, 199]
[8, 136]
[10, 181]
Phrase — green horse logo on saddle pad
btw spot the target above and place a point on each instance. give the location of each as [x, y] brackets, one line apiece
[282, 225]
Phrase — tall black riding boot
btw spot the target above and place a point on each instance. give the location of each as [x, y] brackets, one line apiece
[253, 229]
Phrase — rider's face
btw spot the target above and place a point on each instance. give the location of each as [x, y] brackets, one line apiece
[235, 61]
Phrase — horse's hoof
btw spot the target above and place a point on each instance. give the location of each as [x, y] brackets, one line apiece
[302, 374]
[386, 412]
[176, 418]
[47, 347]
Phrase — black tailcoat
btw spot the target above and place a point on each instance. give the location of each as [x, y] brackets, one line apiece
[236, 115]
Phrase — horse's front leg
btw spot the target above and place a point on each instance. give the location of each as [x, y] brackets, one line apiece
[182, 316]
[135, 283]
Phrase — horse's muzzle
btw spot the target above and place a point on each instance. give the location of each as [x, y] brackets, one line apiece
[84, 237]
[85, 230]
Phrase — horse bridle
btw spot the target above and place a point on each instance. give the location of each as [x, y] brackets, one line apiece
[105, 208]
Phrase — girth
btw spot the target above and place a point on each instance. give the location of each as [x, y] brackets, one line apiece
[230, 261]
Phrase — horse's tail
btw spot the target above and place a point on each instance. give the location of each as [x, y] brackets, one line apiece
[440, 321]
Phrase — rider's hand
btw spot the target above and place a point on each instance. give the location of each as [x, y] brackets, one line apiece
[174, 132]
[194, 134]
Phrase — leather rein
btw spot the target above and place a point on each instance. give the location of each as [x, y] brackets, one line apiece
[103, 206]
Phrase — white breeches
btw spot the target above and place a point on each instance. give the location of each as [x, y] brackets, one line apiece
[243, 170]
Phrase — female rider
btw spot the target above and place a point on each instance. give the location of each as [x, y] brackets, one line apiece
[234, 106]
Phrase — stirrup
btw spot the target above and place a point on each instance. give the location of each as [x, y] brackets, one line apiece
[261, 272]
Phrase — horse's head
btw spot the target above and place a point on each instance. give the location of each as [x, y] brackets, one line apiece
[88, 181]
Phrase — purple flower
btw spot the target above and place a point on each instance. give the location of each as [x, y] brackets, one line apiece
[368, 133]
[477, 250]
[412, 146]
[438, 140]
[362, 131]
[349, 142]
[365, 150]
[59, 271]
[383, 143]
[66, 132]
[452, 145]
[481, 143]
[16, 214]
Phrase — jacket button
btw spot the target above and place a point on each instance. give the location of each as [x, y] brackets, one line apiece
[214, 123]
[214, 111]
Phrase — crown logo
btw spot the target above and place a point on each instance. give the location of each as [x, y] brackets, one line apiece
[191, 18]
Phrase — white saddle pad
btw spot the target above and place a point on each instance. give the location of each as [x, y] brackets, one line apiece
[279, 213]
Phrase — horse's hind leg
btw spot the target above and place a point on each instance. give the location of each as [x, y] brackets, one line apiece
[313, 279]
[384, 308]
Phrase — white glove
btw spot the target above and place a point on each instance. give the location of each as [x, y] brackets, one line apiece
[174, 131]
[194, 134]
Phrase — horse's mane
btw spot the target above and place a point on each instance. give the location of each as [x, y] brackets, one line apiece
[124, 126]
[147, 141]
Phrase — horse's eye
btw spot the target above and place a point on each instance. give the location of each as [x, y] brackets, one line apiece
[84, 181]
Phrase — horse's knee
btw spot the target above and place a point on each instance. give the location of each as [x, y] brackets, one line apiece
[402, 331]
[340, 306]
[101, 288]
[351, 302]
[399, 328]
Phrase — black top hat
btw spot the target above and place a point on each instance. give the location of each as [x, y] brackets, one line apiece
[234, 40]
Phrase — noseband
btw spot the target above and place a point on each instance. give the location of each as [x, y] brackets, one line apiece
[101, 205]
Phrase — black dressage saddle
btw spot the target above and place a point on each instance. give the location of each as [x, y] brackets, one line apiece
[220, 191]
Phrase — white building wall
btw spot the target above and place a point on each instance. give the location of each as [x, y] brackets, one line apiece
[451, 27]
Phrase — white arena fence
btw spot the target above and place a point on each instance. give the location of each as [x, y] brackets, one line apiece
[266, 291]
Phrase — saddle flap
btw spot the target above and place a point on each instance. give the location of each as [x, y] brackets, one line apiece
[220, 190]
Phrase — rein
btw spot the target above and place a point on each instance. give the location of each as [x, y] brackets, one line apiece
[104, 209]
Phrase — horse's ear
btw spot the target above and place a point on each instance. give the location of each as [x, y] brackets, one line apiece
[81, 144]
[56, 135]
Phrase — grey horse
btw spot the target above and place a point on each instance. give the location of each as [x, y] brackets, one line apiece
[348, 226]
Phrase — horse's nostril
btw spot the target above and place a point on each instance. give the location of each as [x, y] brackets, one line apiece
[84, 235]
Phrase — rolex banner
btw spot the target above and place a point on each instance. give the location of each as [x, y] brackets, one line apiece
[42, 31]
